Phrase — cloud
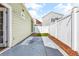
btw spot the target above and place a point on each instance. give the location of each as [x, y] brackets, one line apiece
[75, 4]
[34, 8]
[63, 8]
[33, 13]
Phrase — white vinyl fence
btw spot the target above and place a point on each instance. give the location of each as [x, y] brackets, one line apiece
[41, 29]
[67, 30]
[62, 30]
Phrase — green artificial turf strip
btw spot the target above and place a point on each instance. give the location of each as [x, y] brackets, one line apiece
[41, 34]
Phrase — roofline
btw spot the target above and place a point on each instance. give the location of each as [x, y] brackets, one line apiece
[53, 12]
[38, 20]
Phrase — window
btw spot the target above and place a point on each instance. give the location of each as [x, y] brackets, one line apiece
[52, 20]
[56, 18]
[1, 26]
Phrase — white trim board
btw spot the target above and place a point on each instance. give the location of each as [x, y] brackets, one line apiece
[10, 23]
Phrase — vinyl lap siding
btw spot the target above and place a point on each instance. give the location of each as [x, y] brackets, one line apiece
[21, 23]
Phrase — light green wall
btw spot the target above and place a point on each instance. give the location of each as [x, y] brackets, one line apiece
[21, 27]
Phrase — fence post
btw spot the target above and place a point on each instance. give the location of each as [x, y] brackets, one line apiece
[74, 29]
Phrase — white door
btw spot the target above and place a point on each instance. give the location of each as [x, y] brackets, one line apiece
[2, 27]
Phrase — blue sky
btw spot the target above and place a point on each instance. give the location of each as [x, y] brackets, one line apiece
[38, 10]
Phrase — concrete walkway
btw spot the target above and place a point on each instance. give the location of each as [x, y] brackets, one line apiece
[33, 46]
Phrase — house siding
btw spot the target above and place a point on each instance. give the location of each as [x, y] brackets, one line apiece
[47, 18]
[21, 23]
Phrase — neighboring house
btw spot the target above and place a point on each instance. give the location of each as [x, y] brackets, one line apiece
[15, 24]
[36, 25]
[37, 22]
[51, 17]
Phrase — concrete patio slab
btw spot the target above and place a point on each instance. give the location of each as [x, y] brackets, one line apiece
[33, 46]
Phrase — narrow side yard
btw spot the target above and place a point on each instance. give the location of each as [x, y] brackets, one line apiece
[33, 46]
